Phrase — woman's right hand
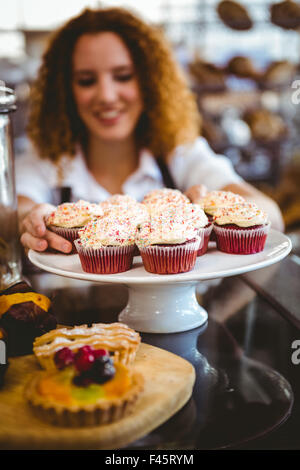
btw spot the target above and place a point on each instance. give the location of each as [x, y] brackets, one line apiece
[35, 235]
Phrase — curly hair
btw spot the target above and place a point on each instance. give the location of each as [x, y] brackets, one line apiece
[170, 117]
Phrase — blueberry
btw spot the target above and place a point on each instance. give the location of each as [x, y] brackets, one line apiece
[103, 370]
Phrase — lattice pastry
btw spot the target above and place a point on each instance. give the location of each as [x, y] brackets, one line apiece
[121, 341]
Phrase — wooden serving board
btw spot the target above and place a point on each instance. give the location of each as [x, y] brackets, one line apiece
[169, 381]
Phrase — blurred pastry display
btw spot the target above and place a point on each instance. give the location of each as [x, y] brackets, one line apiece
[24, 315]
[287, 194]
[278, 73]
[265, 126]
[243, 67]
[214, 134]
[208, 77]
[285, 14]
[234, 15]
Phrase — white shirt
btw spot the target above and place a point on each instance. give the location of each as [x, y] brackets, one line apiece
[190, 165]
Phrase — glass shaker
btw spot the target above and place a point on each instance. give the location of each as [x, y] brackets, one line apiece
[10, 253]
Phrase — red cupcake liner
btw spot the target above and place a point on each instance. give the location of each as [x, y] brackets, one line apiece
[136, 251]
[166, 259]
[206, 236]
[105, 260]
[241, 241]
[211, 220]
[70, 234]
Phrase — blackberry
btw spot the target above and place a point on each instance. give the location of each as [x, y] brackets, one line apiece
[102, 370]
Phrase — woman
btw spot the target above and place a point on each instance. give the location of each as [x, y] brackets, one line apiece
[112, 113]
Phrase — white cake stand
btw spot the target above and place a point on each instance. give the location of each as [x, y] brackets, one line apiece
[167, 303]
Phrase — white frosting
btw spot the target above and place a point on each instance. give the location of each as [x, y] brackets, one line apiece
[113, 229]
[71, 215]
[217, 199]
[165, 196]
[118, 200]
[195, 215]
[169, 226]
[243, 215]
[120, 205]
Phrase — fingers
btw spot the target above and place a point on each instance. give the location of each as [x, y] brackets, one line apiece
[37, 218]
[29, 241]
[34, 222]
[50, 240]
[35, 234]
[37, 223]
[58, 243]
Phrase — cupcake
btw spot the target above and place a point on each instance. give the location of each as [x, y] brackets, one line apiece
[164, 196]
[106, 245]
[241, 229]
[170, 240]
[125, 203]
[215, 200]
[201, 222]
[120, 200]
[67, 219]
[198, 219]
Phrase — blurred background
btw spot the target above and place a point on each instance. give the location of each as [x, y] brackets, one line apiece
[242, 60]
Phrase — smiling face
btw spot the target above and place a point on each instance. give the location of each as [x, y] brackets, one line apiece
[105, 87]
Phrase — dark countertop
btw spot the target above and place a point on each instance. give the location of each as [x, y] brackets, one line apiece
[247, 390]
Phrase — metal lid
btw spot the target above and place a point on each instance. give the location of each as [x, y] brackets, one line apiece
[7, 99]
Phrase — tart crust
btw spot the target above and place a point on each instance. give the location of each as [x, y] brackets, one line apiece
[120, 340]
[104, 411]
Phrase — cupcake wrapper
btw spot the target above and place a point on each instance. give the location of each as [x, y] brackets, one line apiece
[105, 260]
[241, 241]
[206, 236]
[136, 251]
[171, 259]
[211, 220]
[70, 234]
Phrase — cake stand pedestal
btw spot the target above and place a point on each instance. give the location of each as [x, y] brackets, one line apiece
[166, 308]
[167, 303]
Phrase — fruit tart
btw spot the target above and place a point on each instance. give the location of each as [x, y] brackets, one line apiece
[121, 341]
[87, 388]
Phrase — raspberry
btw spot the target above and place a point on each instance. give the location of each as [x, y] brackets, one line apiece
[84, 359]
[100, 352]
[63, 358]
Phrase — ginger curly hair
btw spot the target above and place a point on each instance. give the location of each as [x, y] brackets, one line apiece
[170, 117]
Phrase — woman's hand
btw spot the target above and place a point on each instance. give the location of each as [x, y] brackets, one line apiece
[196, 192]
[35, 234]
